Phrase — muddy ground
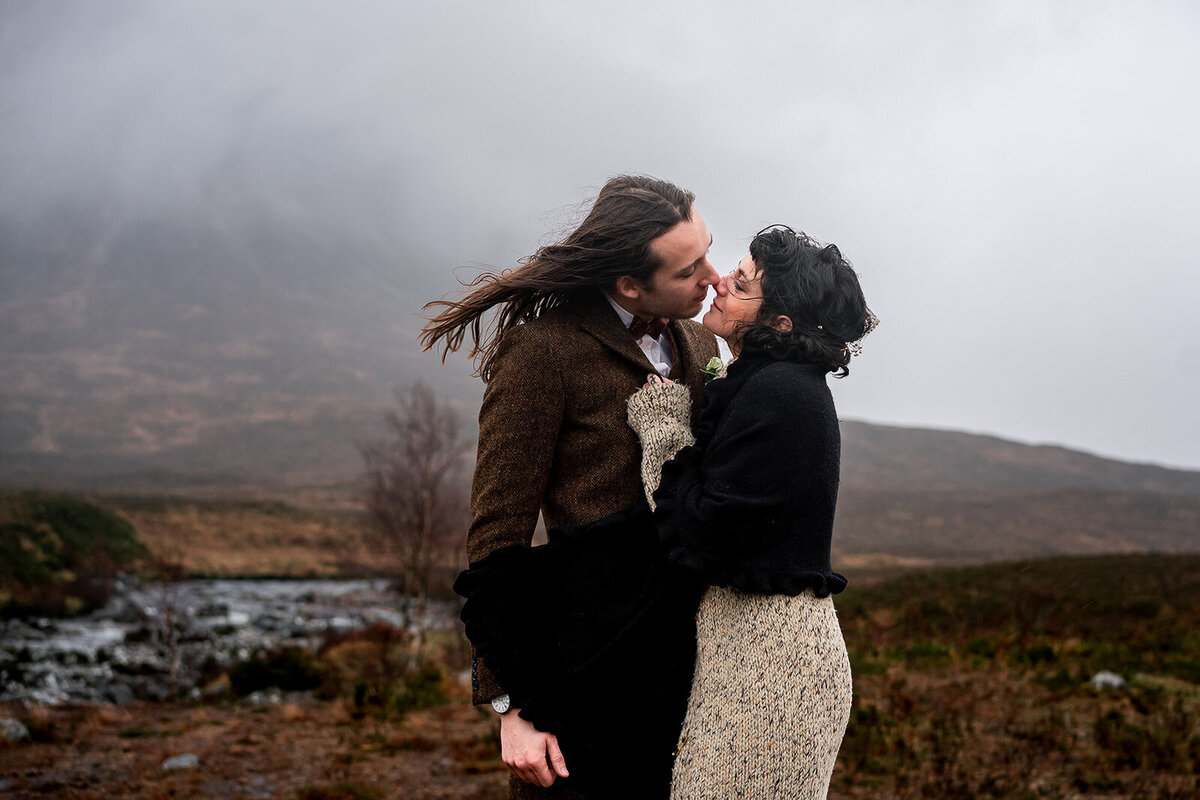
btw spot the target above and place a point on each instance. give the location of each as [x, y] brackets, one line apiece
[305, 749]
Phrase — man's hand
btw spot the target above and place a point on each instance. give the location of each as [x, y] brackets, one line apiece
[528, 752]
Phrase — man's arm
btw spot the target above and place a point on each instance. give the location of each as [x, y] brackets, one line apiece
[519, 423]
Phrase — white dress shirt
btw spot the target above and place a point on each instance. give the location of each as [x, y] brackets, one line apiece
[659, 350]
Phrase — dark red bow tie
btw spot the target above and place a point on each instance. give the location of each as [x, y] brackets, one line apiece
[640, 327]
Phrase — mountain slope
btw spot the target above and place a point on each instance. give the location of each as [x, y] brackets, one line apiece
[885, 457]
[917, 495]
[987, 524]
[206, 350]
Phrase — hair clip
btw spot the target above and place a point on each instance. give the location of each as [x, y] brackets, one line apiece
[871, 324]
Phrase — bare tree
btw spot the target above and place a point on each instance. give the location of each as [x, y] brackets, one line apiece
[417, 493]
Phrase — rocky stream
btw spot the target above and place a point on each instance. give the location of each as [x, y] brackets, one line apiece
[153, 641]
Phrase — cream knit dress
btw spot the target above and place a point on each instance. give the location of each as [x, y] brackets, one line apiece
[771, 691]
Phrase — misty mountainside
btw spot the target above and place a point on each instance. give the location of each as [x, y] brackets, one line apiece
[241, 351]
[207, 349]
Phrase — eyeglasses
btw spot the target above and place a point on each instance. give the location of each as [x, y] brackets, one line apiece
[739, 288]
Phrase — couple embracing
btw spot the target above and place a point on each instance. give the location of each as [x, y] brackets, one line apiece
[676, 636]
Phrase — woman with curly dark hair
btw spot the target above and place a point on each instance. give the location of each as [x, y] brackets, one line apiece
[747, 508]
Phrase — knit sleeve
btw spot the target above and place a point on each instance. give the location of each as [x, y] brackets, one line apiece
[660, 414]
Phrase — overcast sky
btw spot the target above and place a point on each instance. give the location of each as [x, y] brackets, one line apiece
[1017, 183]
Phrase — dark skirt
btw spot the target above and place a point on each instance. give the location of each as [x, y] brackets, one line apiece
[593, 635]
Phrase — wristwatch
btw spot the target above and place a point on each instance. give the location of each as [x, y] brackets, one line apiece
[501, 703]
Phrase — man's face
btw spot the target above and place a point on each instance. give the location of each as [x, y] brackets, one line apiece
[678, 287]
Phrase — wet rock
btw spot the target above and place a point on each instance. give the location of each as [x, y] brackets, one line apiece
[28, 633]
[153, 690]
[68, 658]
[118, 694]
[139, 635]
[193, 634]
[185, 761]
[269, 622]
[143, 666]
[265, 697]
[1107, 680]
[12, 730]
[213, 610]
[121, 609]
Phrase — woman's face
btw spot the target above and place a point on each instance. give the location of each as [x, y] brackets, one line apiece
[739, 296]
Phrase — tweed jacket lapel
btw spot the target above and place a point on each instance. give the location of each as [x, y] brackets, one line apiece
[601, 321]
[689, 362]
[686, 367]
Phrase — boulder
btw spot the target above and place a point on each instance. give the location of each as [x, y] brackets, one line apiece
[185, 761]
[12, 730]
[1107, 680]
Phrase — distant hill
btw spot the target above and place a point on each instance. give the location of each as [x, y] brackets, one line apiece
[989, 524]
[885, 457]
[914, 496]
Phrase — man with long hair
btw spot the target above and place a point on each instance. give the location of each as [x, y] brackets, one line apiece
[576, 329]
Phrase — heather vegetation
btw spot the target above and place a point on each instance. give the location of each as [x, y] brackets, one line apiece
[369, 672]
[58, 554]
[976, 682]
[1129, 613]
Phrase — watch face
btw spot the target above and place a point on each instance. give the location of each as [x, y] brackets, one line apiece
[501, 704]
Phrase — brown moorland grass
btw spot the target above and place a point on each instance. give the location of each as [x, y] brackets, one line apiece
[975, 682]
[247, 538]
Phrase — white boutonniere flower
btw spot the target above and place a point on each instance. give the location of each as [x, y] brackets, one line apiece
[715, 368]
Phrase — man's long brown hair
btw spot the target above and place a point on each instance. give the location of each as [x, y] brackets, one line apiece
[613, 240]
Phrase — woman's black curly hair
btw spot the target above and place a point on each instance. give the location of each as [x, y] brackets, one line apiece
[814, 286]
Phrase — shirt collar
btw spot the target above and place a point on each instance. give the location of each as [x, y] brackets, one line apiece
[626, 317]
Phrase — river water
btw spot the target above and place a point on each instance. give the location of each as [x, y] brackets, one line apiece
[153, 640]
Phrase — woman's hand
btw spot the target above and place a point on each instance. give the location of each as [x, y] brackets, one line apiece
[654, 378]
[528, 752]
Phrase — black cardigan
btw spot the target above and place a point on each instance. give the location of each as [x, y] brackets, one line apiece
[750, 505]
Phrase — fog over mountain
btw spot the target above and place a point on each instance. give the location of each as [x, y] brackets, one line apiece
[219, 221]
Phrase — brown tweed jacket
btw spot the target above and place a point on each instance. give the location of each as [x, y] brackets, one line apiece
[553, 434]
